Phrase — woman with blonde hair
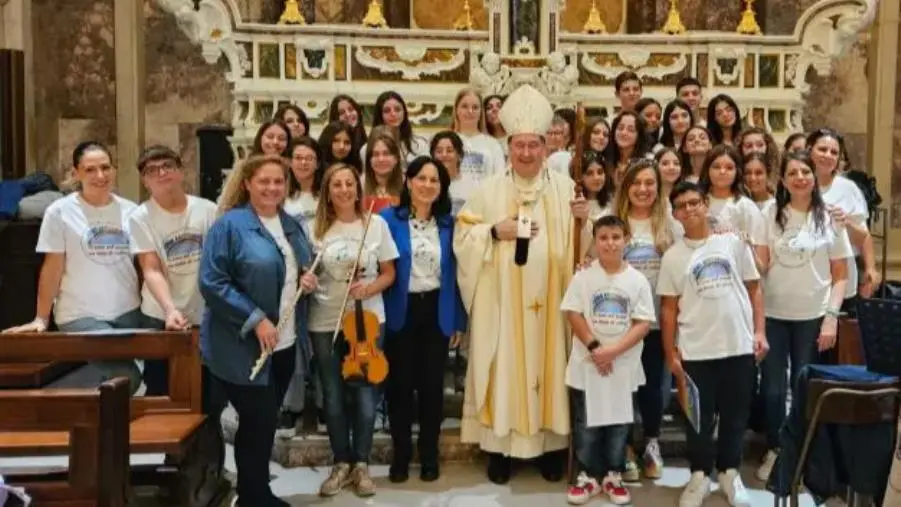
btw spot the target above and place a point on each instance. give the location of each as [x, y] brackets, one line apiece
[339, 228]
[639, 203]
[483, 155]
[383, 172]
[250, 271]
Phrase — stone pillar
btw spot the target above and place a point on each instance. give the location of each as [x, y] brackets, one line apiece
[16, 33]
[130, 82]
[882, 157]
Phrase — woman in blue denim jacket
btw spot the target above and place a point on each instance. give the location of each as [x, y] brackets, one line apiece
[251, 269]
[423, 312]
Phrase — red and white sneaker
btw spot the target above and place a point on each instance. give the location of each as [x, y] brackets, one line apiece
[583, 490]
[615, 489]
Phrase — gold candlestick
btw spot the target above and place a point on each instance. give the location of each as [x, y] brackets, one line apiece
[748, 24]
[464, 22]
[673, 25]
[595, 24]
[374, 17]
[291, 15]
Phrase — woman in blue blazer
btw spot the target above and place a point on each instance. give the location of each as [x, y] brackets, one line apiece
[423, 312]
[250, 271]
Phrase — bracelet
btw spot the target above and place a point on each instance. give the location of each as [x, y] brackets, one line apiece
[832, 312]
[494, 233]
[593, 344]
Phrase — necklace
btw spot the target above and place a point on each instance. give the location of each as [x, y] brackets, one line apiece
[529, 193]
[421, 225]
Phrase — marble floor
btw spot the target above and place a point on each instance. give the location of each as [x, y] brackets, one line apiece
[461, 485]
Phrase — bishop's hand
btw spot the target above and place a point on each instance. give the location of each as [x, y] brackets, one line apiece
[579, 207]
[505, 230]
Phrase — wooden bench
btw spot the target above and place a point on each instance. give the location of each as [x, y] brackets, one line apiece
[192, 474]
[95, 421]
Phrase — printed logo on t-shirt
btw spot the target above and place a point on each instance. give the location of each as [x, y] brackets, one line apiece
[643, 256]
[105, 243]
[339, 254]
[609, 312]
[795, 248]
[473, 164]
[425, 256]
[712, 277]
[183, 249]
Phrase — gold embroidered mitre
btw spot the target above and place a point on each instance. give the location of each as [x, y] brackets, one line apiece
[526, 111]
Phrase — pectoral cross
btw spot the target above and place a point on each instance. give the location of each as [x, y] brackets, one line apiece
[536, 306]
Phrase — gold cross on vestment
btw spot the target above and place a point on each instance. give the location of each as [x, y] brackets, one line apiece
[536, 306]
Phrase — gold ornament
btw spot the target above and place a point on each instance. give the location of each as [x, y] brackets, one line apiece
[374, 17]
[291, 15]
[748, 24]
[464, 22]
[673, 25]
[595, 24]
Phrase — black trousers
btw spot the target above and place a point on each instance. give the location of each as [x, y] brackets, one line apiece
[416, 358]
[651, 394]
[257, 408]
[724, 387]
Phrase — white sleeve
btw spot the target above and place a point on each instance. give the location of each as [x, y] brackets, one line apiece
[643, 308]
[52, 237]
[666, 279]
[841, 245]
[387, 247]
[746, 262]
[574, 297]
[139, 233]
[756, 227]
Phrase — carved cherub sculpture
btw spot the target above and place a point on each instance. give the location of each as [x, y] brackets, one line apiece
[490, 76]
[558, 77]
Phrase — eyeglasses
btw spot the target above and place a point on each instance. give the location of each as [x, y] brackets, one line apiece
[155, 169]
[688, 204]
[309, 159]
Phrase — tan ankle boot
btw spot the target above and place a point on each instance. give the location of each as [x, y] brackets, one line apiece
[363, 484]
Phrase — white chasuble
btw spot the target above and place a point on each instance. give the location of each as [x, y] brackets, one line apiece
[516, 400]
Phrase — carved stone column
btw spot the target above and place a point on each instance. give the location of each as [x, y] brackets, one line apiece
[129, 45]
[883, 133]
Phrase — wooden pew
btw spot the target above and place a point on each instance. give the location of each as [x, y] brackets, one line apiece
[96, 424]
[192, 474]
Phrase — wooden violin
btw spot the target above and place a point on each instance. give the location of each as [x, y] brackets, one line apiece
[364, 361]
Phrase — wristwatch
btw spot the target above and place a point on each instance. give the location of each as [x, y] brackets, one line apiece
[593, 344]
[494, 233]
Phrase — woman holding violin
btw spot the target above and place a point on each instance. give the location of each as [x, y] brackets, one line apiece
[357, 265]
[250, 273]
[423, 311]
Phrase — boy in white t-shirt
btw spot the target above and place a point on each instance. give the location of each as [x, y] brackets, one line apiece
[610, 307]
[711, 297]
[167, 233]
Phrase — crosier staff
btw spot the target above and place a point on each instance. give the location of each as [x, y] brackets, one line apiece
[576, 170]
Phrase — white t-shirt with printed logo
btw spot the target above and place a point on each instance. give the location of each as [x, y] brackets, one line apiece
[302, 208]
[339, 249]
[739, 215]
[99, 278]
[609, 303]
[483, 156]
[287, 333]
[799, 281]
[845, 194]
[425, 250]
[177, 239]
[715, 316]
[641, 252]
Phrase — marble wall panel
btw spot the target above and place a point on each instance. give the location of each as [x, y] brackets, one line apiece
[835, 101]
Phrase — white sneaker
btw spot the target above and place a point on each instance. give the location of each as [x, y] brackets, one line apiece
[615, 489]
[632, 473]
[585, 489]
[733, 488]
[766, 467]
[695, 491]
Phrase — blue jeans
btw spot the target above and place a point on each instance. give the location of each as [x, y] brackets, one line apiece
[790, 340]
[599, 449]
[349, 407]
[111, 368]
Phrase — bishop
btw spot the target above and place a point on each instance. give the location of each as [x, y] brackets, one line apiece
[515, 403]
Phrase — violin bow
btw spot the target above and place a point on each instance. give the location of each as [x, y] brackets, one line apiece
[578, 155]
[353, 271]
[264, 355]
